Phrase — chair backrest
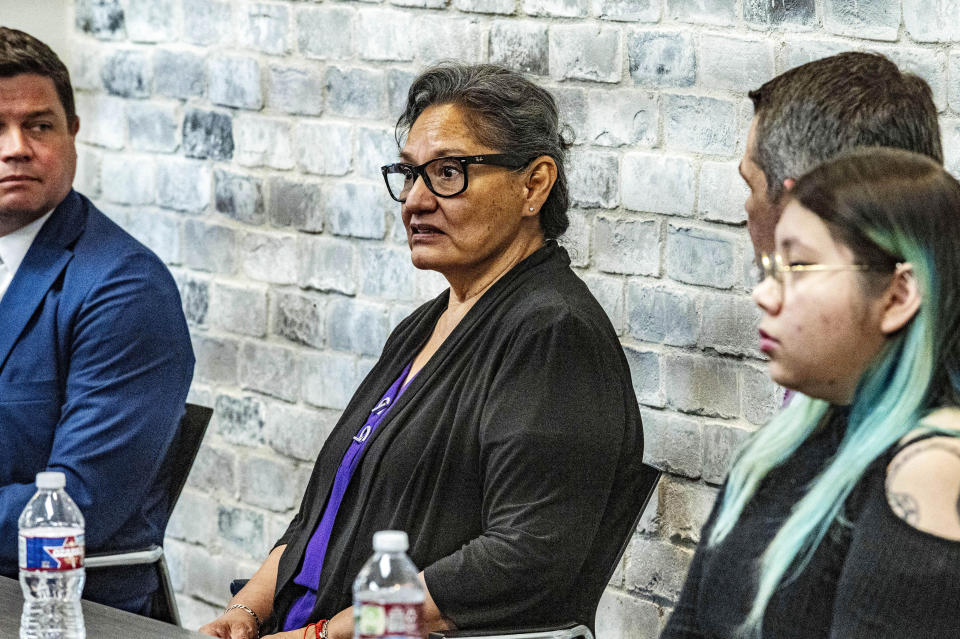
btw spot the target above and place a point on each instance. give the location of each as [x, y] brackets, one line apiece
[183, 450]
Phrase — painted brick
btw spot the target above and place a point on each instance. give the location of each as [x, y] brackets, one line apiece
[712, 12]
[626, 617]
[626, 245]
[658, 183]
[621, 117]
[520, 45]
[235, 82]
[656, 567]
[721, 441]
[158, 231]
[557, 8]
[662, 58]
[662, 315]
[297, 432]
[572, 107]
[355, 92]
[386, 273]
[240, 309]
[210, 247]
[264, 27]
[299, 318]
[85, 70]
[627, 10]
[213, 471]
[183, 185]
[356, 326]
[239, 420]
[698, 256]
[239, 196]
[326, 265]
[207, 134]
[937, 21]
[576, 240]
[703, 385]
[127, 182]
[323, 148]
[294, 90]
[728, 324]
[87, 180]
[207, 572]
[376, 146]
[358, 209]
[104, 120]
[698, 124]
[422, 4]
[207, 22]
[193, 612]
[609, 291]
[722, 193]
[329, 379]
[269, 257]
[152, 20]
[269, 369]
[486, 6]
[953, 72]
[876, 20]
[685, 506]
[733, 63]
[385, 34]
[195, 297]
[263, 141]
[762, 399]
[295, 204]
[178, 74]
[101, 18]
[398, 83]
[191, 520]
[268, 483]
[645, 373]
[216, 359]
[767, 13]
[798, 51]
[241, 530]
[325, 32]
[585, 52]
[461, 39]
[153, 127]
[593, 178]
[672, 443]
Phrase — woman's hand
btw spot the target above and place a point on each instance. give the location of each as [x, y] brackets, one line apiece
[233, 624]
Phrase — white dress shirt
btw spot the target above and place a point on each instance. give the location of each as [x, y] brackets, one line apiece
[14, 247]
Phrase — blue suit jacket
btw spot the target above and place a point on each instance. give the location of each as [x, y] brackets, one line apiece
[95, 364]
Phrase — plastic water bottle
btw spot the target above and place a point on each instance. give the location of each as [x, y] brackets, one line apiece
[51, 563]
[387, 595]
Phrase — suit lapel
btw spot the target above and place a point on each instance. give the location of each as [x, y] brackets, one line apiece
[42, 265]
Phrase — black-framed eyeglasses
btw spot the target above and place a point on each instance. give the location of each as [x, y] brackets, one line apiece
[446, 176]
[773, 265]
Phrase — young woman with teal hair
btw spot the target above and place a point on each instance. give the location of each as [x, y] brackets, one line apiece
[840, 518]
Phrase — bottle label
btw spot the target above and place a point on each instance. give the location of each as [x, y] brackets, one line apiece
[380, 620]
[51, 553]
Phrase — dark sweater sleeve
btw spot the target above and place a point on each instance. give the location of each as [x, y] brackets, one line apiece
[550, 432]
[897, 581]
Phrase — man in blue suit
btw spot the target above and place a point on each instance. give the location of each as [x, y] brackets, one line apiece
[95, 358]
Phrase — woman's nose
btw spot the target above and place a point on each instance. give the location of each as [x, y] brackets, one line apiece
[419, 197]
[768, 295]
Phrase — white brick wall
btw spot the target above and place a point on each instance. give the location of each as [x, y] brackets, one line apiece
[242, 140]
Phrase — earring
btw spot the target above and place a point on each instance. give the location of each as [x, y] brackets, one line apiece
[531, 209]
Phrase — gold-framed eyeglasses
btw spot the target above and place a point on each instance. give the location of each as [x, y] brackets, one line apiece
[773, 265]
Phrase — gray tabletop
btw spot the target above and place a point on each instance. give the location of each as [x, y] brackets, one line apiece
[101, 622]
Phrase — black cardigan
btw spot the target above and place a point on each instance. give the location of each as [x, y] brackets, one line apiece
[512, 460]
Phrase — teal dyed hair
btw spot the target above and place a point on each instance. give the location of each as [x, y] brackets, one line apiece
[888, 207]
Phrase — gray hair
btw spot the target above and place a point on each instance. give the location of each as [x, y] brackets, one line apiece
[507, 112]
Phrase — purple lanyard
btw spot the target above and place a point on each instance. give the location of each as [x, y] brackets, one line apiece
[309, 575]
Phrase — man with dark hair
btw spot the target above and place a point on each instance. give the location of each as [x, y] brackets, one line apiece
[822, 108]
[95, 358]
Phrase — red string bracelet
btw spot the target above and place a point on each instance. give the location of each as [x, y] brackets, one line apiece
[307, 629]
[320, 629]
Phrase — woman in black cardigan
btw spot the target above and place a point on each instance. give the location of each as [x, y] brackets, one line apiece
[499, 427]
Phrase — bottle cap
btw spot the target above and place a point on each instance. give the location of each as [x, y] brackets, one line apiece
[390, 541]
[53, 480]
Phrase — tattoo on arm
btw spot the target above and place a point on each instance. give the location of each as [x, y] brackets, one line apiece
[905, 507]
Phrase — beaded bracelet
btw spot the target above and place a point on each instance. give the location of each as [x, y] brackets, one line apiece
[256, 617]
